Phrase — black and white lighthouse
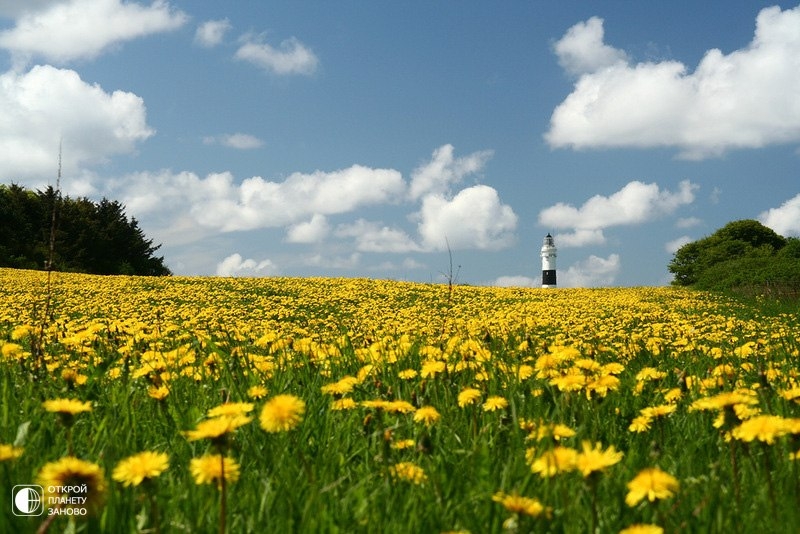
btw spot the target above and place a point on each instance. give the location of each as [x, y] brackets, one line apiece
[548, 262]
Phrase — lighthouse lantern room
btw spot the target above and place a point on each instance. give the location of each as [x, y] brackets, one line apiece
[549, 262]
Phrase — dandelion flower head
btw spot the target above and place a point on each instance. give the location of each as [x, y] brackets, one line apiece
[282, 413]
[133, 470]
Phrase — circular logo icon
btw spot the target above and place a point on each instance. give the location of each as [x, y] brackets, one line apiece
[27, 500]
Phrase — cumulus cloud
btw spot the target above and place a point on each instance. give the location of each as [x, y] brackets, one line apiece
[516, 281]
[235, 265]
[745, 99]
[217, 202]
[635, 203]
[83, 29]
[784, 220]
[582, 50]
[211, 33]
[591, 272]
[291, 57]
[376, 237]
[47, 104]
[688, 222]
[182, 205]
[445, 170]
[474, 218]
[239, 141]
[673, 246]
[312, 231]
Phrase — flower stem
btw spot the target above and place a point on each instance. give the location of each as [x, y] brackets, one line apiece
[223, 491]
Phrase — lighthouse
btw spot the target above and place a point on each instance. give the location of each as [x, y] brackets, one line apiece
[548, 262]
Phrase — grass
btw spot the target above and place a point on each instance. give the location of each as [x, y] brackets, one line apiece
[114, 340]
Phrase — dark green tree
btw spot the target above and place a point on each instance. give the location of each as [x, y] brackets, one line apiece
[739, 253]
[91, 237]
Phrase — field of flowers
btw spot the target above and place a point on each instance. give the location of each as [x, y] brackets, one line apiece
[354, 405]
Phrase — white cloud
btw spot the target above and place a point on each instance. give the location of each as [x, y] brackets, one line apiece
[312, 231]
[591, 272]
[211, 33]
[581, 50]
[516, 281]
[216, 202]
[334, 262]
[784, 220]
[688, 222]
[83, 29]
[239, 141]
[635, 203]
[292, 57]
[14, 8]
[235, 265]
[673, 246]
[375, 237]
[46, 105]
[745, 99]
[444, 170]
[474, 218]
[581, 237]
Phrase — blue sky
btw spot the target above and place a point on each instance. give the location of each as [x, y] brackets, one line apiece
[256, 138]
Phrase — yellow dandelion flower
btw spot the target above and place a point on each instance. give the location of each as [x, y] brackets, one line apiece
[403, 444]
[495, 403]
[427, 415]
[209, 468]
[67, 406]
[74, 377]
[723, 400]
[652, 412]
[764, 428]
[257, 392]
[569, 382]
[408, 472]
[377, 404]
[341, 387]
[650, 373]
[343, 404]
[407, 374]
[231, 409]
[9, 452]
[65, 480]
[431, 368]
[592, 459]
[518, 504]
[399, 406]
[21, 332]
[468, 396]
[651, 484]
[640, 424]
[557, 460]
[158, 393]
[525, 372]
[135, 469]
[12, 350]
[642, 529]
[673, 395]
[217, 428]
[603, 384]
[282, 413]
[559, 431]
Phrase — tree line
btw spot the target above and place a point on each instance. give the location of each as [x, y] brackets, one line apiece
[88, 237]
[741, 254]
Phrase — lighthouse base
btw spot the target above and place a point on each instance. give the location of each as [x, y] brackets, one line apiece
[549, 278]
